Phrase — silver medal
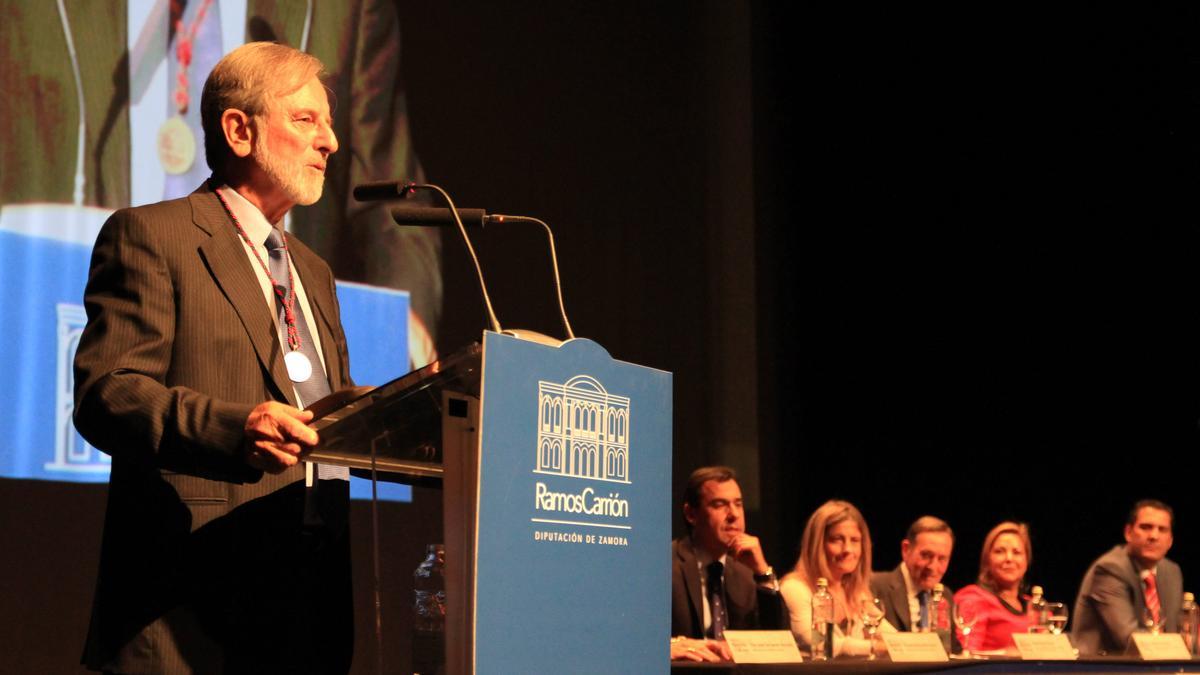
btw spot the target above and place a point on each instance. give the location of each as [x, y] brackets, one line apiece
[298, 366]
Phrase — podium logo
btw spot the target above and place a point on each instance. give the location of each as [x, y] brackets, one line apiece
[583, 431]
[72, 454]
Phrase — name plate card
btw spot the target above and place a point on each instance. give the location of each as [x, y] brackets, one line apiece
[1161, 647]
[763, 646]
[1044, 647]
[914, 647]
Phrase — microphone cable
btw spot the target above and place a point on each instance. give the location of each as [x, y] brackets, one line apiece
[80, 178]
[562, 310]
[487, 300]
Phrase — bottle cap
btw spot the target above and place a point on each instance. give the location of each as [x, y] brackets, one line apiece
[1188, 597]
[938, 588]
[822, 581]
[1037, 590]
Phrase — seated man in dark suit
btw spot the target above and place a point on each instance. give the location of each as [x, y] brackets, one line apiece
[1131, 586]
[719, 576]
[905, 592]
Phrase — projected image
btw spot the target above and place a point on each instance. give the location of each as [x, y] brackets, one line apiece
[103, 113]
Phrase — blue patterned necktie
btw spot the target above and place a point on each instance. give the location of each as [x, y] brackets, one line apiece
[317, 385]
[923, 621]
[716, 600]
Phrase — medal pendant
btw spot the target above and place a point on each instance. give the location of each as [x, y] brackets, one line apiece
[298, 366]
[176, 146]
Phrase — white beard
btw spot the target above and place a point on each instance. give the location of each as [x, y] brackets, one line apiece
[301, 186]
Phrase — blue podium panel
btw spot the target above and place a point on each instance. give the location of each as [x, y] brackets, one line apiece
[573, 511]
[42, 277]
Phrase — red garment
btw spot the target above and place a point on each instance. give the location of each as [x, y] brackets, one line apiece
[995, 622]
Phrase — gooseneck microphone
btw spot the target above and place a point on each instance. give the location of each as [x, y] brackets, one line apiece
[81, 135]
[425, 215]
[562, 310]
[374, 192]
[384, 191]
[463, 218]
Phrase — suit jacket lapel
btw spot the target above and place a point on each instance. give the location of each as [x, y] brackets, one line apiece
[1170, 589]
[900, 601]
[225, 255]
[1134, 579]
[319, 301]
[691, 575]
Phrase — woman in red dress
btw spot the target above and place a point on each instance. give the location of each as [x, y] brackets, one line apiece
[995, 604]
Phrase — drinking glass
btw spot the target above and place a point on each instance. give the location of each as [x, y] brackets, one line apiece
[1057, 614]
[872, 617]
[965, 620]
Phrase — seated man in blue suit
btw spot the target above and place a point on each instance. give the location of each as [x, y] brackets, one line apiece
[1131, 586]
[719, 576]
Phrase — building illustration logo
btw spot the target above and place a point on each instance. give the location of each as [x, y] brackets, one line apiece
[583, 431]
[72, 454]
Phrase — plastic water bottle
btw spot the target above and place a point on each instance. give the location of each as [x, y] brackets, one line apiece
[935, 605]
[429, 612]
[1037, 611]
[822, 622]
[1188, 613]
[939, 621]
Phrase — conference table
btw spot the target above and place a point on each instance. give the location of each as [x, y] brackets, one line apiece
[846, 666]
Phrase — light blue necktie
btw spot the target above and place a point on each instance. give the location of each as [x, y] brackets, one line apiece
[316, 386]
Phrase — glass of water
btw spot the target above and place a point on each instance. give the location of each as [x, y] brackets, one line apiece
[965, 620]
[1057, 614]
[872, 617]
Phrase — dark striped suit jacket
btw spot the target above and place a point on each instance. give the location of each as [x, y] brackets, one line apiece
[205, 564]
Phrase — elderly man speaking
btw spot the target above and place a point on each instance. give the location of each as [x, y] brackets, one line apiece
[209, 329]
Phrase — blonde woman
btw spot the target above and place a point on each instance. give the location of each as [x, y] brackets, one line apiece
[836, 546]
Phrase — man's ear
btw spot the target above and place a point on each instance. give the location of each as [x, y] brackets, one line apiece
[689, 514]
[239, 133]
[905, 546]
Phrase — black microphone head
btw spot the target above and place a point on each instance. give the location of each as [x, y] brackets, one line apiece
[373, 192]
[427, 215]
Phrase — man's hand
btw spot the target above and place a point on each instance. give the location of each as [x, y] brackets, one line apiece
[746, 549]
[277, 435]
[689, 649]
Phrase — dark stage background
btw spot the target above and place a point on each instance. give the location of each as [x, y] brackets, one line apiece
[927, 261]
[977, 253]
